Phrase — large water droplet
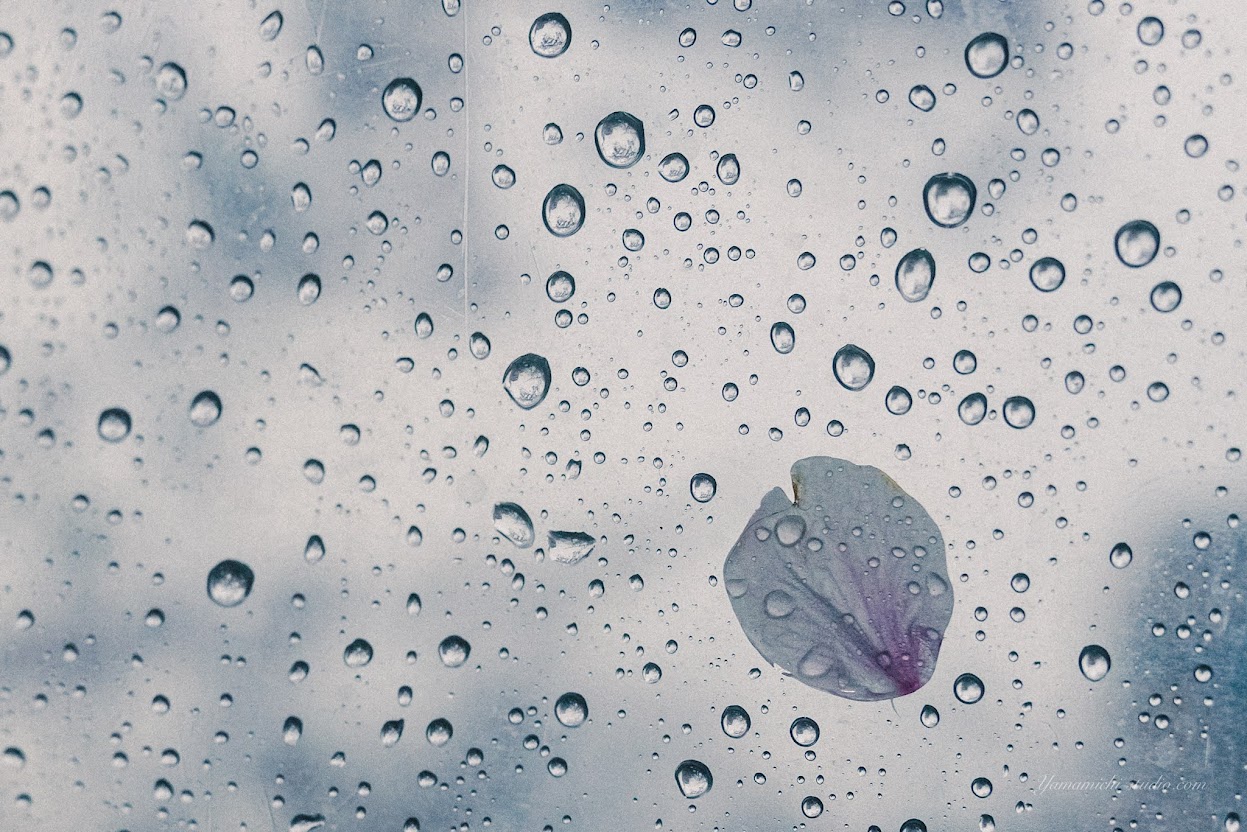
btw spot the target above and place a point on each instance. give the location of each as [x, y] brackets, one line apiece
[401, 99]
[571, 710]
[527, 380]
[550, 35]
[454, 651]
[1018, 411]
[804, 731]
[1120, 555]
[570, 547]
[171, 81]
[968, 688]
[673, 167]
[702, 487]
[949, 199]
[563, 211]
[987, 55]
[735, 721]
[915, 274]
[1166, 296]
[693, 778]
[1094, 662]
[513, 523]
[230, 582]
[1137, 243]
[853, 367]
[620, 139]
[783, 339]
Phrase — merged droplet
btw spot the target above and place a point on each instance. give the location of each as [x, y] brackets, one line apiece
[915, 274]
[401, 99]
[550, 35]
[853, 367]
[512, 522]
[1094, 662]
[1137, 243]
[949, 199]
[693, 778]
[570, 547]
[563, 210]
[834, 590]
[987, 55]
[527, 380]
[230, 582]
[620, 139]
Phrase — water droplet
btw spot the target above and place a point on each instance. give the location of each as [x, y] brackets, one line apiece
[171, 81]
[560, 287]
[527, 380]
[570, 547]
[783, 339]
[114, 425]
[804, 731]
[357, 654]
[853, 367]
[1120, 555]
[230, 582]
[270, 27]
[973, 409]
[571, 710]
[735, 721]
[512, 522]
[392, 732]
[673, 167]
[693, 778]
[620, 139]
[563, 211]
[454, 651]
[921, 97]
[1151, 31]
[1094, 662]
[1137, 243]
[205, 409]
[930, 717]
[968, 688]
[898, 401]
[915, 274]
[811, 807]
[401, 99]
[1019, 412]
[949, 199]
[728, 169]
[703, 487]
[439, 732]
[550, 35]
[987, 55]
[1047, 274]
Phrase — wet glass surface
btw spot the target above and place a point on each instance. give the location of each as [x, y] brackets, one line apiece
[384, 385]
